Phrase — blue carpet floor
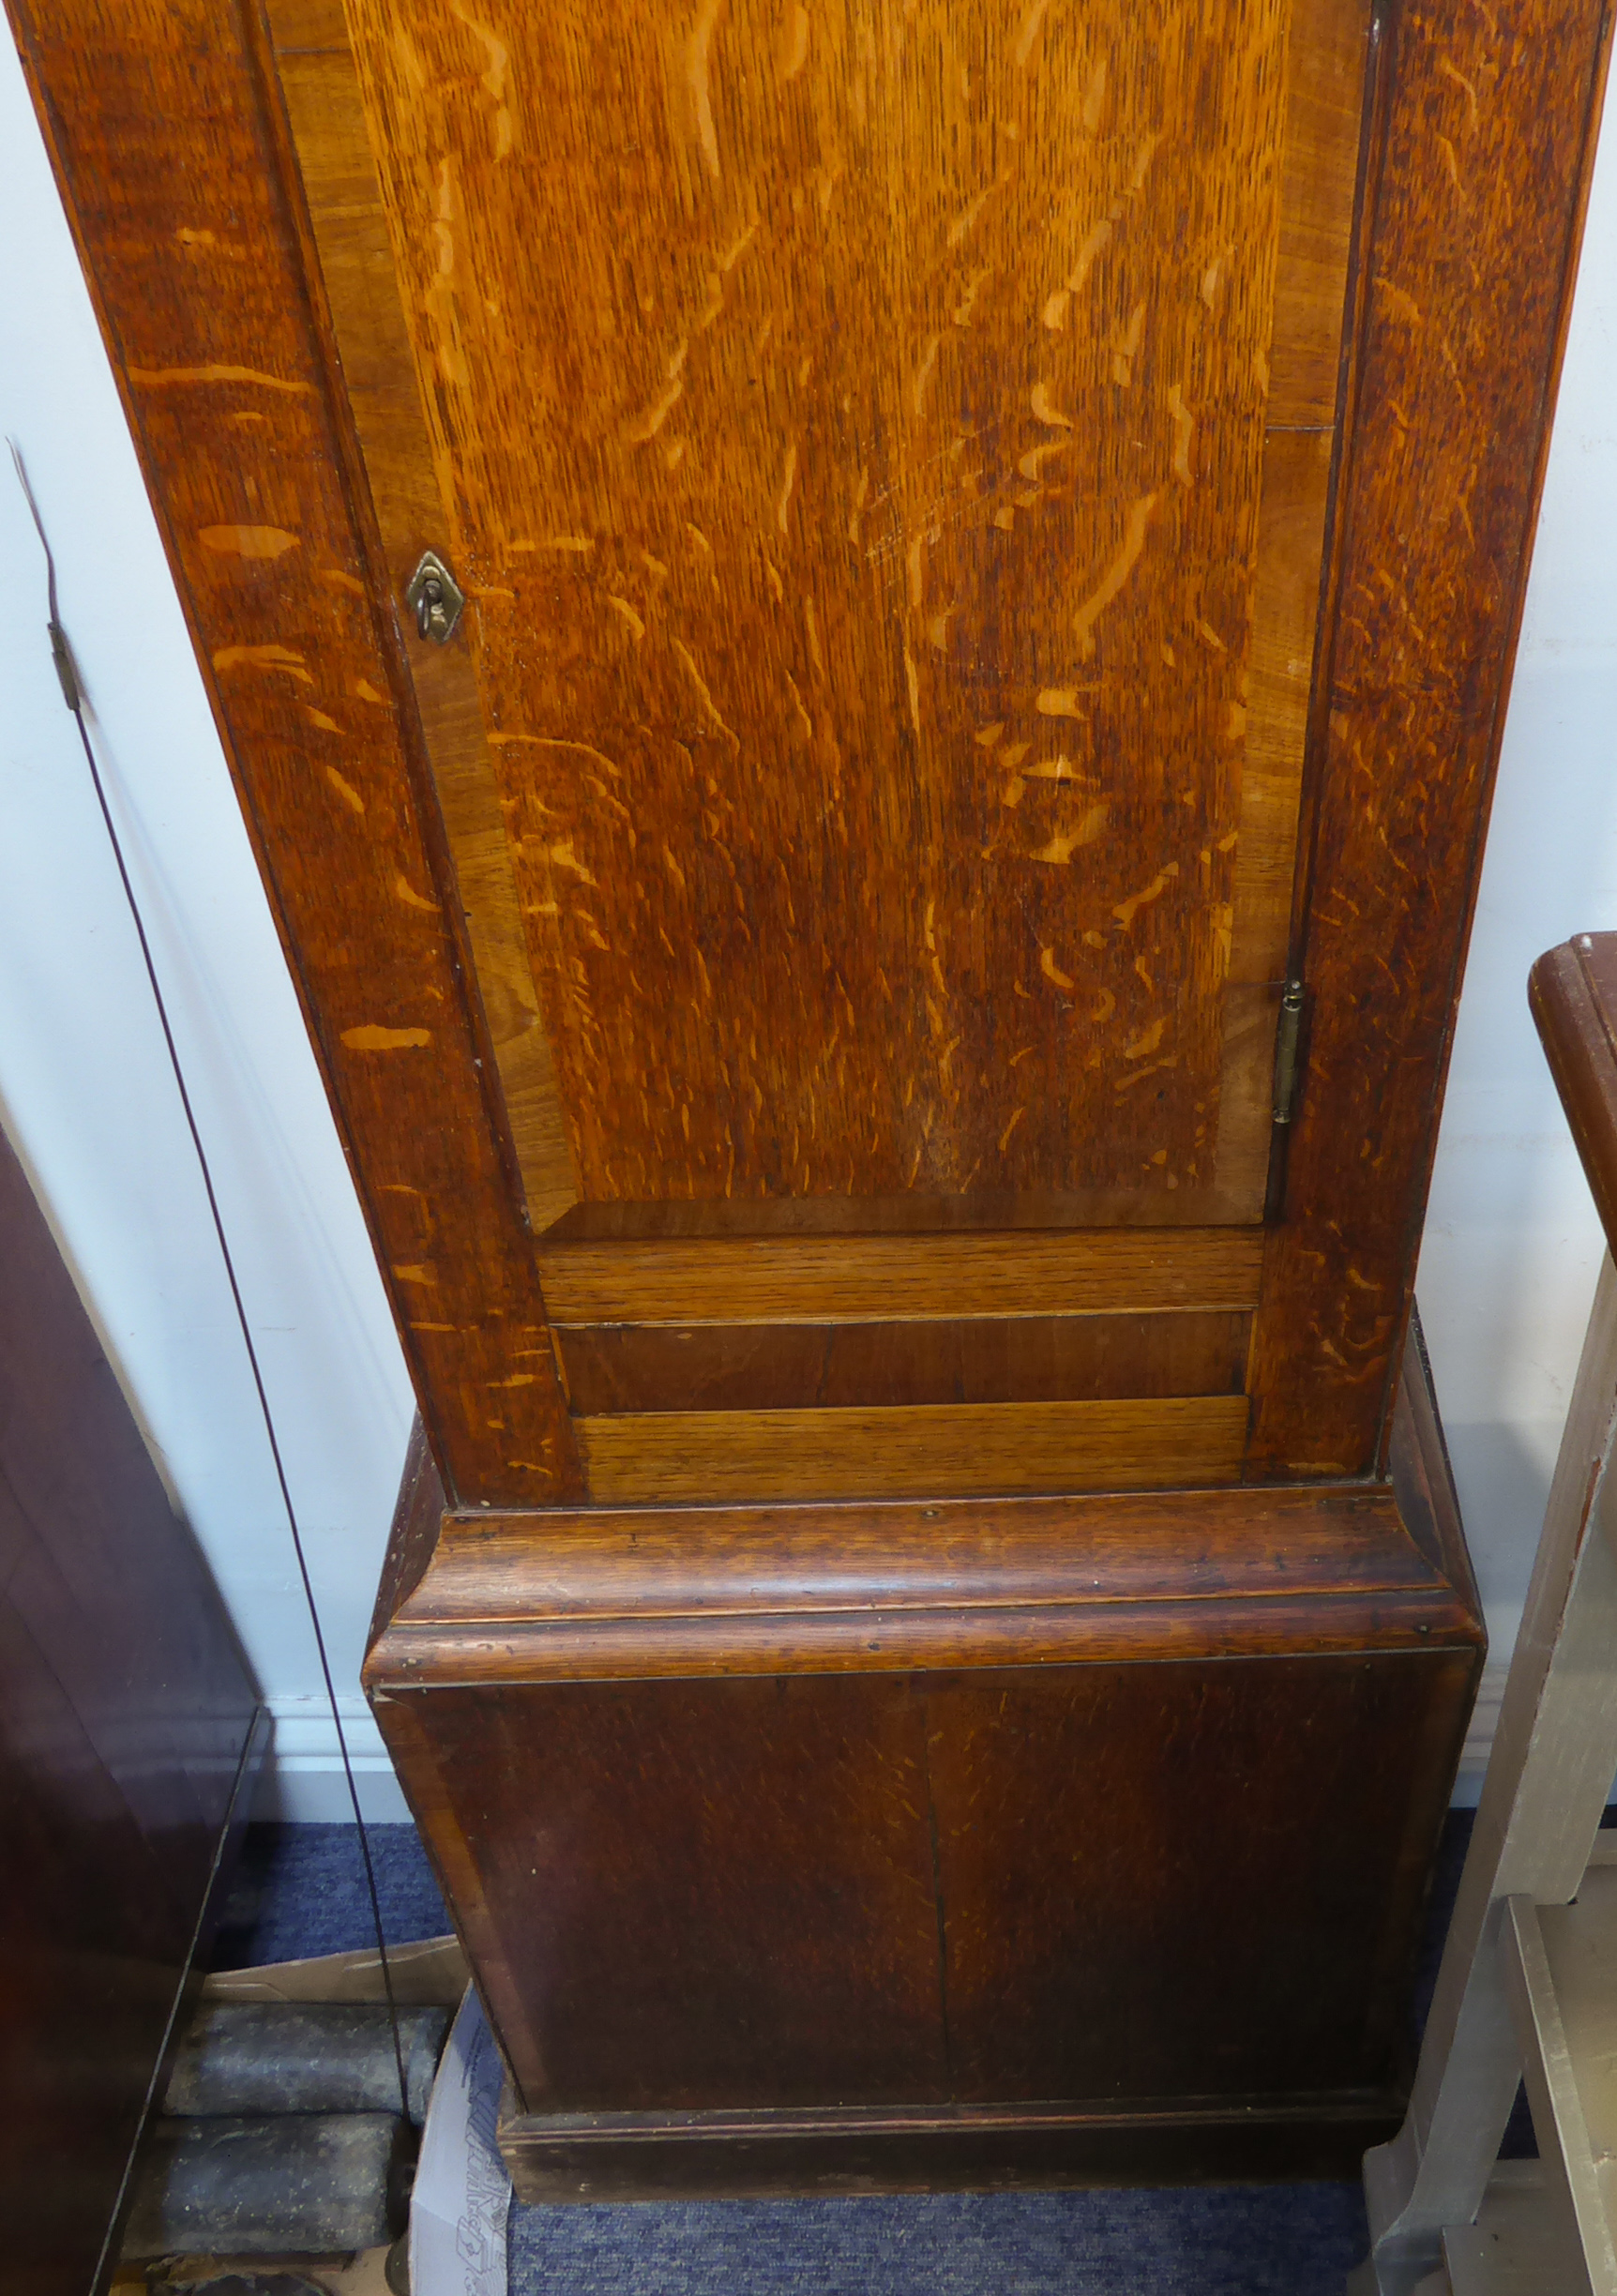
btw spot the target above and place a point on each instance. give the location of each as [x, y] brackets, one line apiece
[301, 1890]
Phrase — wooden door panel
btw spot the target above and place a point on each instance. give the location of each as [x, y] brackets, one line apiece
[771, 1007]
[1258, 323]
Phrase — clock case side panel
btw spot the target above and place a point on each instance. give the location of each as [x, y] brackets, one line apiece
[1478, 157]
[209, 303]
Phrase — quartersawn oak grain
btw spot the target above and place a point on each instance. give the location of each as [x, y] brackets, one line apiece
[1478, 189]
[815, 484]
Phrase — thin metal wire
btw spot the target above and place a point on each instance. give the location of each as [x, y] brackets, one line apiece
[72, 693]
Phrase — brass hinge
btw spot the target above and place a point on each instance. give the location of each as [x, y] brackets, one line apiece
[1287, 1040]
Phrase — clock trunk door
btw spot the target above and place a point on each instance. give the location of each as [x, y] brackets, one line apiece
[885, 452]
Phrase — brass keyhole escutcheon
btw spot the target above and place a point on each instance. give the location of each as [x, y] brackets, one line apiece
[436, 598]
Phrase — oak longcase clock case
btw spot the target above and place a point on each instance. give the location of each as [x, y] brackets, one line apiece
[881, 915]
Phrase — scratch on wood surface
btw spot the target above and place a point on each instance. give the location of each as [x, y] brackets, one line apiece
[1117, 574]
[696, 72]
[373, 1037]
[406, 892]
[264, 658]
[158, 378]
[1017, 1116]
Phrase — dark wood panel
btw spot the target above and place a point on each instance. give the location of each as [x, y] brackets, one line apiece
[707, 1894]
[126, 1711]
[200, 277]
[1121, 1854]
[998, 1359]
[1481, 172]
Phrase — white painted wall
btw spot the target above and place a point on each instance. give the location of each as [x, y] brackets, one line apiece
[1511, 1247]
[84, 1087]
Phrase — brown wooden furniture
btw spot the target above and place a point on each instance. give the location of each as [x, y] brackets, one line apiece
[127, 1719]
[991, 539]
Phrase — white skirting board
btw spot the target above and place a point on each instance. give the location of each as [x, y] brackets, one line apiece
[302, 1782]
[1479, 1736]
